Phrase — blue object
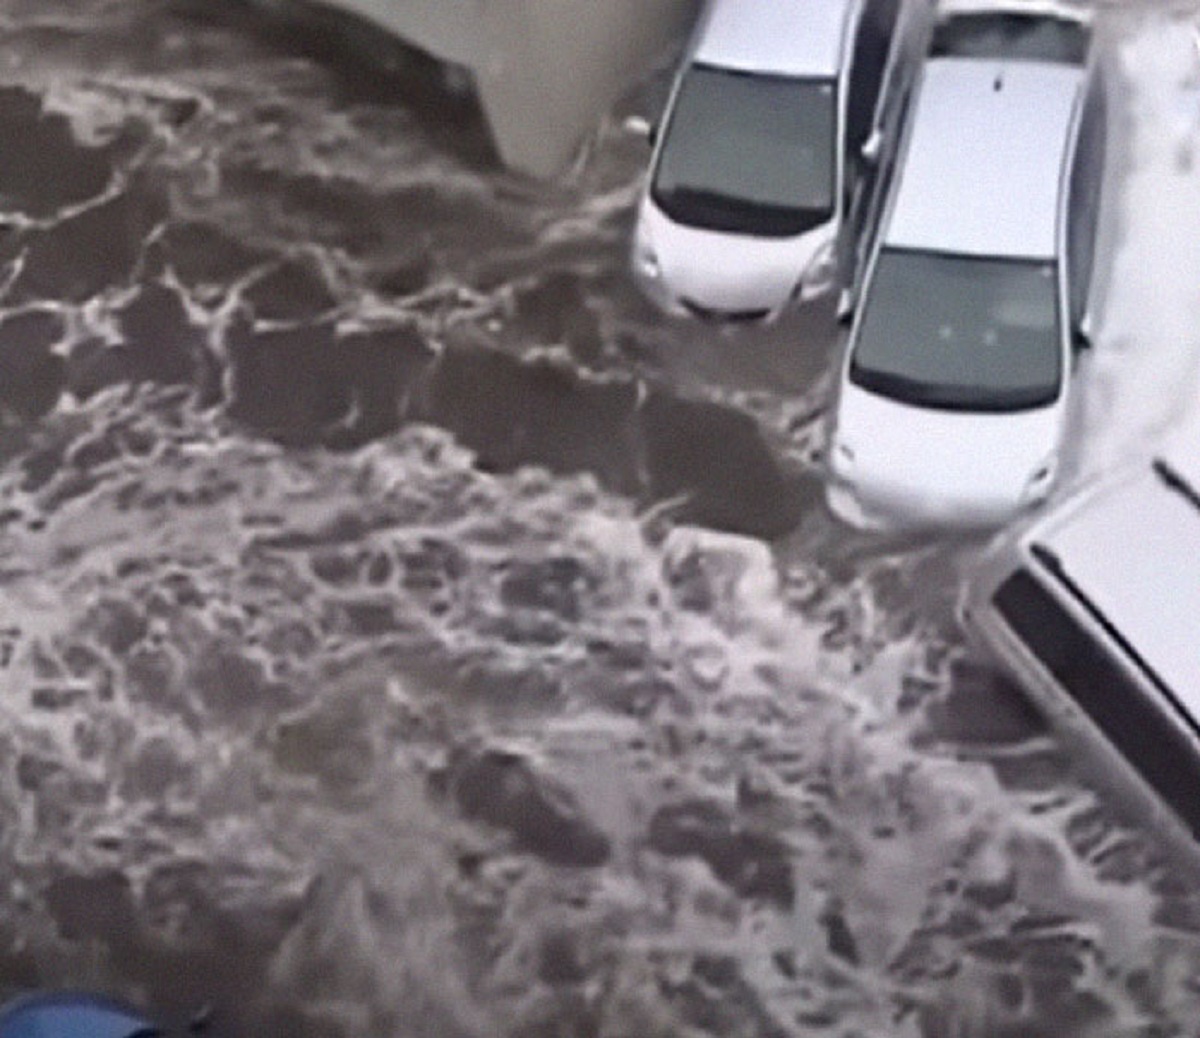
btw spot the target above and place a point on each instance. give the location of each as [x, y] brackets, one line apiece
[72, 1015]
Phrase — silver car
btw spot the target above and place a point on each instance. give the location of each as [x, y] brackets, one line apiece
[1095, 608]
[775, 110]
[954, 388]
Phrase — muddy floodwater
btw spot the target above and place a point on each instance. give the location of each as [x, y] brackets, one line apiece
[405, 631]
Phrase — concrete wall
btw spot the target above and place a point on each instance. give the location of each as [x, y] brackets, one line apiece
[553, 67]
[545, 70]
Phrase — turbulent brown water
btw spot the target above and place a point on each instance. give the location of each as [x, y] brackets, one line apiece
[404, 631]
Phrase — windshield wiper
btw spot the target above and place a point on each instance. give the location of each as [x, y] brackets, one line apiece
[716, 211]
[950, 398]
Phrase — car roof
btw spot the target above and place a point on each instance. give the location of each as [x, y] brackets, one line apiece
[783, 37]
[1133, 549]
[983, 165]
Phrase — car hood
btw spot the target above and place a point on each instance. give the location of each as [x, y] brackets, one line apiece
[724, 271]
[923, 464]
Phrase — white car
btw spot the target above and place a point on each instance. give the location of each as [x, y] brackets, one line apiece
[774, 109]
[952, 400]
[1093, 606]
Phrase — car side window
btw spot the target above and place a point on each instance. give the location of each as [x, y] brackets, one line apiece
[869, 196]
[1134, 720]
[1086, 177]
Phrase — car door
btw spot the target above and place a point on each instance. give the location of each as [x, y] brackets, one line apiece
[862, 224]
[880, 82]
[1087, 175]
[870, 65]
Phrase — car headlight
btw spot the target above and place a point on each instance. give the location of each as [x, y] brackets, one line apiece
[841, 459]
[646, 260]
[1037, 486]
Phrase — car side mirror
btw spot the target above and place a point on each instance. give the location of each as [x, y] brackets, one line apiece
[845, 307]
[1081, 334]
[640, 126]
[872, 147]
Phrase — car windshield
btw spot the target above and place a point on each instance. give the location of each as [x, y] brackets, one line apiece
[748, 152]
[960, 332]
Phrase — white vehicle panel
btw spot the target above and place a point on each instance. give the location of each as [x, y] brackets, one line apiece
[788, 37]
[1135, 554]
[993, 190]
[912, 464]
[727, 272]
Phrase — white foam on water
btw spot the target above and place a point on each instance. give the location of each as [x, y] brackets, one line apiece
[764, 692]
